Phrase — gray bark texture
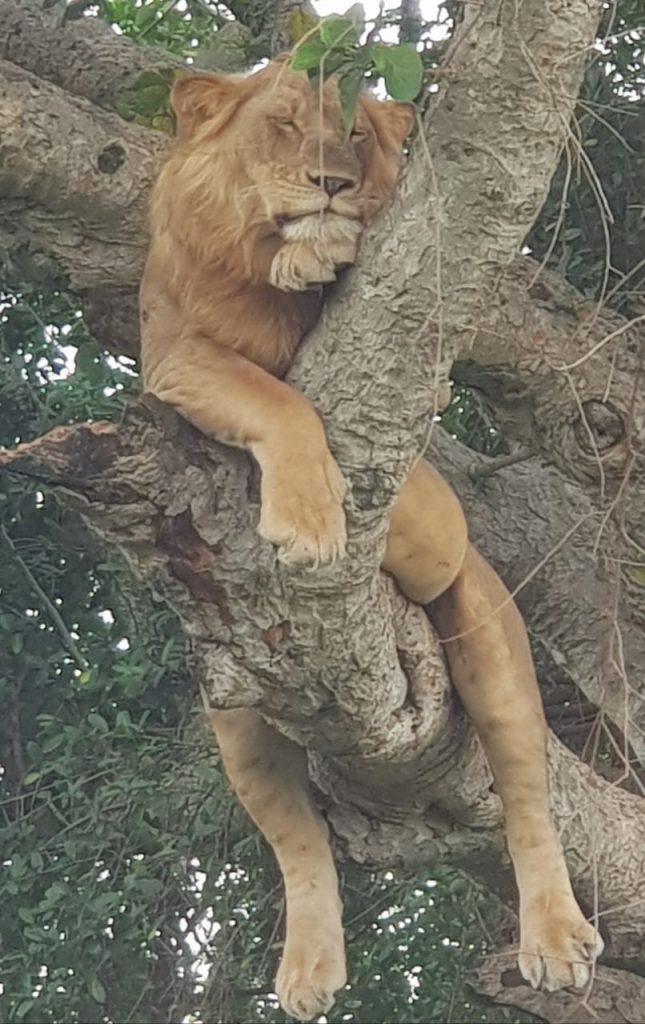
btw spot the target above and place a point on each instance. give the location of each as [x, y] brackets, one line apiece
[337, 659]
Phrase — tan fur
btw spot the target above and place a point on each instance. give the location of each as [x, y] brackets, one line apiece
[259, 204]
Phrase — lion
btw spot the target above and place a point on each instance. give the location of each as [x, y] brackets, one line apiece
[261, 202]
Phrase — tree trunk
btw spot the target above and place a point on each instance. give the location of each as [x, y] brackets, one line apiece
[439, 283]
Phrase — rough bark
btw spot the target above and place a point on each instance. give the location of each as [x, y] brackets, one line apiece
[368, 694]
[618, 997]
[83, 57]
[74, 182]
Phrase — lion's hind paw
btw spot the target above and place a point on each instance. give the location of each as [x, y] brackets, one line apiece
[558, 949]
[308, 979]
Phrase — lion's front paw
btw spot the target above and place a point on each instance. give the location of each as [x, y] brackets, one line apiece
[300, 265]
[302, 512]
[312, 970]
[557, 945]
[341, 240]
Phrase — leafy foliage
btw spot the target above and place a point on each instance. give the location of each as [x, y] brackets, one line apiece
[333, 47]
[176, 28]
[592, 228]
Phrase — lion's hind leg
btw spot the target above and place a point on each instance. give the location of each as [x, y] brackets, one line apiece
[492, 669]
[269, 775]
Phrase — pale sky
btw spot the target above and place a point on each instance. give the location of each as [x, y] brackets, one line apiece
[371, 7]
[428, 8]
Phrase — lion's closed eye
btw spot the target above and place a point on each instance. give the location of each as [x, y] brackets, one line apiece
[286, 124]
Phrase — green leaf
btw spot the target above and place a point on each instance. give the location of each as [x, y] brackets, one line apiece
[308, 56]
[97, 991]
[18, 866]
[336, 32]
[123, 720]
[53, 742]
[145, 16]
[98, 722]
[401, 68]
[151, 100]
[30, 778]
[167, 651]
[349, 87]
[356, 15]
[23, 1008]
[148, 78]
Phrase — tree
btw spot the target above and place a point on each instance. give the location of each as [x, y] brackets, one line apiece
[440, 290]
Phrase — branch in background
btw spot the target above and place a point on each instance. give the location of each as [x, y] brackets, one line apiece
[501, 462]
[564, 375]
[269, 20]
[411, 21]
[50, 607]
[78, 214]
[84, 57]
[517, 517]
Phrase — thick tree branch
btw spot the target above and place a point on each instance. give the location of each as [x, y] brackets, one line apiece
[84, 57]
[566, 376]
[616, 998]
[403, 778]
[473, 188]
[76, 214]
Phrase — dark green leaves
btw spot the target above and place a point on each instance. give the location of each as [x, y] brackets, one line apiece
[333, 47]
[309, 56]
[349, 88]
[336, 33]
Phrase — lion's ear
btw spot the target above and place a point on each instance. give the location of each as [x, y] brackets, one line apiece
[393, 121]
[399, 118]
[196, 99]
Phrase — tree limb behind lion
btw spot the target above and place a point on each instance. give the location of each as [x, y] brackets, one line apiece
[261, 202]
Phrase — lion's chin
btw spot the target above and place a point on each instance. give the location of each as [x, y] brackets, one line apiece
[317, 227]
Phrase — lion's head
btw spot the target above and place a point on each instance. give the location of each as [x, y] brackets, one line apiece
[267, 154]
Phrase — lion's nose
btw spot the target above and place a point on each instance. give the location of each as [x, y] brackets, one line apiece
[330, 185]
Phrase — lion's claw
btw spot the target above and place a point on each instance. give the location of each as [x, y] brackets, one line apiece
[558, 947]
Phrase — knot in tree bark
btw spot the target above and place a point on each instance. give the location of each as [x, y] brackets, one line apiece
[600, 427]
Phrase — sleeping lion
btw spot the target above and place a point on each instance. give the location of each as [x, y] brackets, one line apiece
[261, 201]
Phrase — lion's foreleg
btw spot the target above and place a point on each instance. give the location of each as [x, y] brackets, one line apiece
[492, 669]
[227, 396]
[315, 248]
[269, 775]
